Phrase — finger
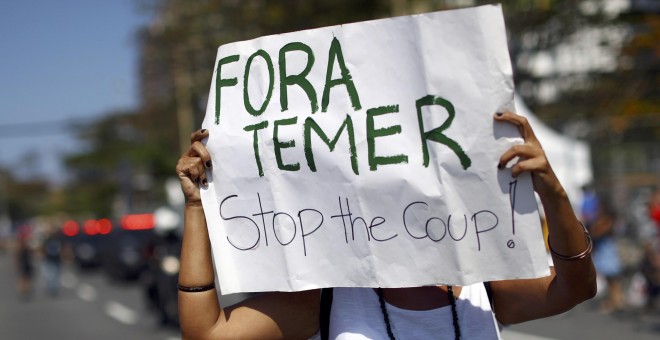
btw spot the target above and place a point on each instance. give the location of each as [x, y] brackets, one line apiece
[526, 151]
[521, 122]
[182, 167]
[197, 171]
[198, 149]
[191, 167]
[200, 171]
[198, 135]
[529, 165]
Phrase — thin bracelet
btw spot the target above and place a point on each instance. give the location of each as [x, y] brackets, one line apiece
[585, 253]
[196, 289]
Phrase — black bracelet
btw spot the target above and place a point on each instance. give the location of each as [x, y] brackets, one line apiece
[196, 289]
[585, 253]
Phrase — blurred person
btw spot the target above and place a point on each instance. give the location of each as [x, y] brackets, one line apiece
[651, 272]
[650, 267]
[52, 250]
[654, 209]
[360, 312]
[590, 204]
[606, 257]
[24, 261]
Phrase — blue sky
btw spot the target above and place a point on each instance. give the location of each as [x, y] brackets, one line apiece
[61, 60]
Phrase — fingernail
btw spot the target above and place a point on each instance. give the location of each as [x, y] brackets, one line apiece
[202, 130]
[499, 114]
[209, 164]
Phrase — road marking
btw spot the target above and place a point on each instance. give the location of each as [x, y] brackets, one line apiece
[68, 280]
[86, 292]
[121, 313]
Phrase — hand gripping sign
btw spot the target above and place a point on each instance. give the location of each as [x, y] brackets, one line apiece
[365, 155]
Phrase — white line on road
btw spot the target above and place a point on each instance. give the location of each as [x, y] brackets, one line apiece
[121, 313]
[86, 292]
[68, 280]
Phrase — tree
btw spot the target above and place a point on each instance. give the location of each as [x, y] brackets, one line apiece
[22, 199]
[116, 171]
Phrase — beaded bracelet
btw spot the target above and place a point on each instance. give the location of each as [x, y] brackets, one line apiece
[196, 289]
[585, 253]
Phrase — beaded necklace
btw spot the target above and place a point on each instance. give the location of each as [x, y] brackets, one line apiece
[454, 313]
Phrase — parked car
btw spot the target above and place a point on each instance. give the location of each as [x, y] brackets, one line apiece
[126, 259]
[87, 240]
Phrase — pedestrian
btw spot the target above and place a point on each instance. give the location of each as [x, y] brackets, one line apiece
[52, 249]
[416, 312]
[654, 208]
[590, 204]
[650, 266]
[606, 257]
[24, 262]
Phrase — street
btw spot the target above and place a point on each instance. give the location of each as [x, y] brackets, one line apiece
[90, 306]
[586, 322]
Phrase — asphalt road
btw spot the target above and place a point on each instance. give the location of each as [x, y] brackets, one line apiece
[586, 322]
[90, 306]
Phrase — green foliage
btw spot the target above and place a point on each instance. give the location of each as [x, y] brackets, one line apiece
[115, 168]
[21, 200]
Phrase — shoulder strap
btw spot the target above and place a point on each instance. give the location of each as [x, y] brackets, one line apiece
[326, 306]
[489, 292]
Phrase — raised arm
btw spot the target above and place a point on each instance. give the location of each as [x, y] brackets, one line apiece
[266, 316]
[573, 278]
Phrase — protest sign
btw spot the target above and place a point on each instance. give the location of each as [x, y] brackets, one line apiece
[365, 155]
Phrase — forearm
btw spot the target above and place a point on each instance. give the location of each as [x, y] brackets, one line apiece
[570, 282]
[575, 279]
[198, 311]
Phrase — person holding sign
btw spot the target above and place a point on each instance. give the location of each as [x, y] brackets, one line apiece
[415, 312]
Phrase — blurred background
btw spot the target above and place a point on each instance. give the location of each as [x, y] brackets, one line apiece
[98, 100]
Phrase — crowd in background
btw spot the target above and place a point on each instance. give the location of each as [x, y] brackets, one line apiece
[37, 252]
[651, 262]
[626, 250]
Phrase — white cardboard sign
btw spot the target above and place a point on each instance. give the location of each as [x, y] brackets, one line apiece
[365, 155]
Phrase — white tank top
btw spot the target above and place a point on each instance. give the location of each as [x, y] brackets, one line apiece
[356, 314]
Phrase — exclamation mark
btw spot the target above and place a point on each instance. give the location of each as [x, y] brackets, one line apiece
[512, 200]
